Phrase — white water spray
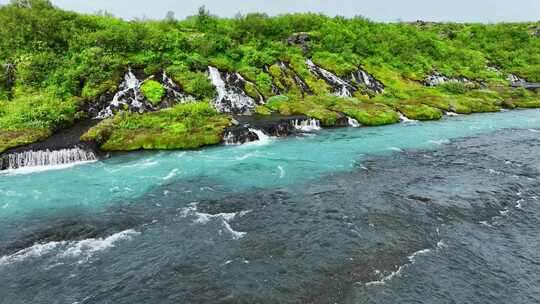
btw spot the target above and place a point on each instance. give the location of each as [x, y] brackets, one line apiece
[342, 88]
[307, 125]
[47, 158]
[353, 122]
[230, 99]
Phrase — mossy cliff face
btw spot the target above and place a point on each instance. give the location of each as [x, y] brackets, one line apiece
[186, 126]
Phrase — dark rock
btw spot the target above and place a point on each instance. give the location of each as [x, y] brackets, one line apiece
[301, 39]
[535, 31]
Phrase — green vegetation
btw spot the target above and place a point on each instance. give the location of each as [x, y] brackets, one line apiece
[185, 126]
[418, 111]
[153, 91]
[61, 62]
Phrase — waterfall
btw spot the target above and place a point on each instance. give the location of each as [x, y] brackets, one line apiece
[404, 118]
[173, 90]
[128, 95]
[340, 86]
[231, 96]
[46, 158]
[229, 139]
[263, 138]
[306, 125]
[451, 114]
[353, 122]
[513, 78]
[437, 78]
[361, 77]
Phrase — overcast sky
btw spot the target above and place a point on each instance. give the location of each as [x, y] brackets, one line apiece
[381, 10]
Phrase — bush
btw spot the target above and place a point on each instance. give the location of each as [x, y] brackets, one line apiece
[153, 91]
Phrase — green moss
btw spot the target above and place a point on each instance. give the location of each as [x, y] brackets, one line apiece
[527, 103]
[262, 110]
[195, 83]
[369, 114]
[275, 102]
[153, 91]
[251, 90]
[11, 139]
[186, 126]
[418, 111]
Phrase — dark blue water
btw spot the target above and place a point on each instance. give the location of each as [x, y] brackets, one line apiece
[442, 212]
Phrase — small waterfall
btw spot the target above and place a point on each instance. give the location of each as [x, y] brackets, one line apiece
[353, 122]
[128, 95]
[436, 79]
[229, 139]
[340, 86]
[513, 78]
[451, 113]
[231, 96]
[306, 125]
[173, 90]
[361, 77]
[263, 138]
[403, 118]
[46, 158]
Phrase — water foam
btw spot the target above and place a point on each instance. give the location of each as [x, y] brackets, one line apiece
[205, 218]
[307, 125]
[69, 249]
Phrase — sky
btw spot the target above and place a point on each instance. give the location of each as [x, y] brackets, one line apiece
[380, 10]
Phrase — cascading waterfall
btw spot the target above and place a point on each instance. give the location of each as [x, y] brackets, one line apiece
[128, 95]
[231, 96]
[361, 77]
[46, 158]
[340, 86]
[263, 138]
[307, 125]
[353, 122]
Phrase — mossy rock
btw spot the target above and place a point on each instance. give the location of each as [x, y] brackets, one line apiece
[185, 126]
[262, 110]
[370, 114]
[527, 103]
[12, 139]
[275, 102]
[464, 105]
[153, 91]
[439, 102]
[300, 106]
[418, 111]
[252, 91]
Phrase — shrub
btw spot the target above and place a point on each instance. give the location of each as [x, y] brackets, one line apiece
[153, 91]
